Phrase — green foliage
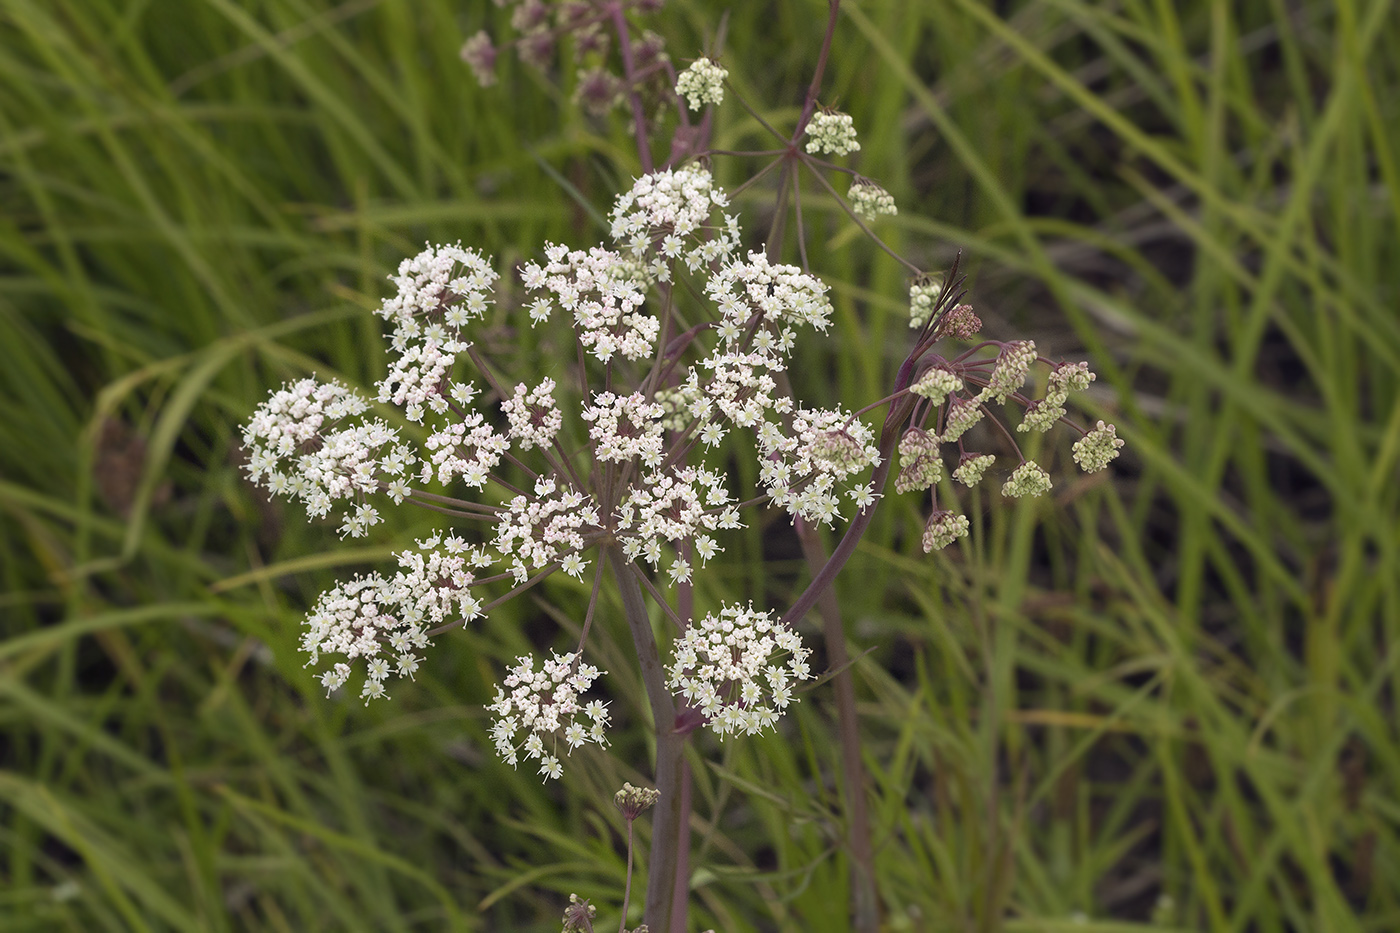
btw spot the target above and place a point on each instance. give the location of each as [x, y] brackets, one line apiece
[1178, 678]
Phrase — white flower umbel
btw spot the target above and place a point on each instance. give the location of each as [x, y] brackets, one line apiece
[833, 132]
[384, 620]
[728, 667]
[534, 417]
[802, 467]
[545, 706]
[296, 448]
[439, 291]
[702, 83]
[538, 530]
[668, 215]
[604, 292]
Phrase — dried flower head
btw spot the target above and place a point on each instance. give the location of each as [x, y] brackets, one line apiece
[959, 322]
[579, 915]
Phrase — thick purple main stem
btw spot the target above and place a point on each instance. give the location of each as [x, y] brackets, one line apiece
[865, 912]
[639, 117]
[664, 857]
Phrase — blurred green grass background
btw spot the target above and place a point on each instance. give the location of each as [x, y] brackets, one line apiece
[1161, 700]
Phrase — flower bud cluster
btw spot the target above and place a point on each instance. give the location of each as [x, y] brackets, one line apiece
[545, 704]
[923, 297]
[830, 131]
[942, 529]
[702, 83]
[963, 413]
[936, 385]
[972, 467]
[1041, 415]
[1094, 450]
[920, 465]
[869, 200]
[1030, 479]
[1013, 364]
[724, 666]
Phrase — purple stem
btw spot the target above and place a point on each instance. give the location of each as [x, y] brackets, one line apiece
[639, 117]
[664, 858]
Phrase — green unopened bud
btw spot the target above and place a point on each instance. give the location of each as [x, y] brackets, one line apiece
[1028, 480]
[1094, 450]
[972, 467]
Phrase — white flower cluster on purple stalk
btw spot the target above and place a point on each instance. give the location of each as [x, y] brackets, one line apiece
[544, 457]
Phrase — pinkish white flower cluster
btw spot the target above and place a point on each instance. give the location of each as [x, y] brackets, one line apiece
[534, 416]
[603, 291]
[548, 527]
[725, 666]
[545, 705]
